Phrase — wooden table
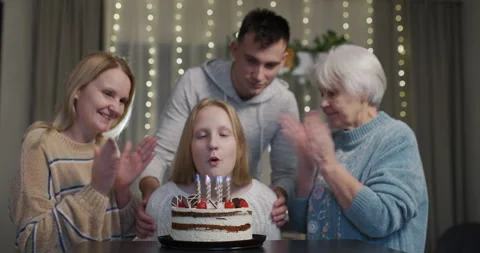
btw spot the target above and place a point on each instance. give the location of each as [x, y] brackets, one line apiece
[280, 246]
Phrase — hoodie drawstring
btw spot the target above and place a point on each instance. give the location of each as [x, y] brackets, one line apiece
[260, 123]
[259, 118]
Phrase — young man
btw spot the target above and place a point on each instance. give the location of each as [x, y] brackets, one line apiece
[250, 85]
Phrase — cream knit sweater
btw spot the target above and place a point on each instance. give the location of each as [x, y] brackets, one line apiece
[52, 203]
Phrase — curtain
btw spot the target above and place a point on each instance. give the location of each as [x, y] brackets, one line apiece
[64, 32]
[440, 112]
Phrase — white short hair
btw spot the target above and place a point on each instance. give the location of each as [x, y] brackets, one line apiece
[358, 71]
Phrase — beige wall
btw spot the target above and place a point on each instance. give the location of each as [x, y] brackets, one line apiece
[14, 101]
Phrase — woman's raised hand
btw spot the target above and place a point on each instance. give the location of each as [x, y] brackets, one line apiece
[296, 134]
[130, 164]
[103, 169]
[109, 169]
[320, 146]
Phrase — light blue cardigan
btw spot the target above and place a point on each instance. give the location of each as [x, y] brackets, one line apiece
[391, 209]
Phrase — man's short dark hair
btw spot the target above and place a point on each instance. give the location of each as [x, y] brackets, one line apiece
[267, 26]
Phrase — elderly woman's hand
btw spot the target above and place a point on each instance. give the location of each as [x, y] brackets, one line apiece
[295, 133]
[320, 146]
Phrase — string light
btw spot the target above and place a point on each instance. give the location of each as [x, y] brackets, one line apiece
[208, 33]
[401, 61]
[306, 14]
[273, 4]
[178, 32]
[239, 15]
[346, 14]
[150, 88]
[306, 21]
[369, 22]
[115, 26]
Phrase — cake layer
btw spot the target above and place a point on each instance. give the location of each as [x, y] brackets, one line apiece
[226, 228]
[209, 214]
[221, 221]
[210, 235]
[211, 224]
[180, 211]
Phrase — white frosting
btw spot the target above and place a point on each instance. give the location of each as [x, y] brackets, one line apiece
[210, 235]
[243, 210]
[201, 234]
[224, 221]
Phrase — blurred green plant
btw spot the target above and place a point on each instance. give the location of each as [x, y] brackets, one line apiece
[319, 44]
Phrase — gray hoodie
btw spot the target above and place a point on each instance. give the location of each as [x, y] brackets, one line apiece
[259, 117]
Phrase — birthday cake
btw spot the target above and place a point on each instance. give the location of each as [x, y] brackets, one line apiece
[202, 219]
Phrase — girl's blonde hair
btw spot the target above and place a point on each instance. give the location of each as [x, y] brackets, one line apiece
[184, 170]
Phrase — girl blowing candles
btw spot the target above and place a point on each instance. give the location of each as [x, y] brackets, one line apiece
[72, 184]
[213, 144]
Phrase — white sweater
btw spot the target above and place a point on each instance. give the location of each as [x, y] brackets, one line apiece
[260, 199]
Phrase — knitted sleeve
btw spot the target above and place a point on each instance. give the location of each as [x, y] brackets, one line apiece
[261, 198]
[42, 224]
[394, 189]
[159, 208]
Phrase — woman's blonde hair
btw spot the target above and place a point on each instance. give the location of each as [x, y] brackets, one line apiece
[184, 169]
[84, 73]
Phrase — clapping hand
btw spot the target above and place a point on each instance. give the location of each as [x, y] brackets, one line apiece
[130, 164]
[295, 133]
[110, 170]
[103, 169]
[312, 139]
[321, 148]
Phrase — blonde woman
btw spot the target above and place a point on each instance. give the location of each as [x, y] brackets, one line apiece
[72, 184]
[213, 129]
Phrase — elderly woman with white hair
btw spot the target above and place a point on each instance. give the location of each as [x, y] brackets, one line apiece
[360, 175]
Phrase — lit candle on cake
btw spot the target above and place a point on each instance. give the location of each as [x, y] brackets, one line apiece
[228, 188]
[209, 187]
[199, 186]
[219, 186]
